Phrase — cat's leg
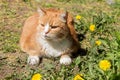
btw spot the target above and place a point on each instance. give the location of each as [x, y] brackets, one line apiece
[34, 58]
[65, 59]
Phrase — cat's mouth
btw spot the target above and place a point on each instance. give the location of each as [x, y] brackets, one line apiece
[52, 37]
[46, 37]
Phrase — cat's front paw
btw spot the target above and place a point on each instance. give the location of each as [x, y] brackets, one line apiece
[65, 59]
[33, 60]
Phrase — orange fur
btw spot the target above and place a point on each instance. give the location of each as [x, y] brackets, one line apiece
[57, 25]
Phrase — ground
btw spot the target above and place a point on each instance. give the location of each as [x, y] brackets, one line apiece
[13, 13]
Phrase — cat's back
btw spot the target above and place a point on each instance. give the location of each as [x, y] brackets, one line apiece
[28, 30]
[31, 23]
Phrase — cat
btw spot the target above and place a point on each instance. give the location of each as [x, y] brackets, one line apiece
[51, 33]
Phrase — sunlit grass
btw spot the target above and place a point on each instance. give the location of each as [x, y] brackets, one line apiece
[102, 42]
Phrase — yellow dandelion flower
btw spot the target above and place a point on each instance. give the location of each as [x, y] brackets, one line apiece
[37, 77]
[92, 27]
[98, 42]
[104, 65]
[78, 77]
[78, 17]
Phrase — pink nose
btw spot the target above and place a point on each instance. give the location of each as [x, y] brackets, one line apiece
[47, 32]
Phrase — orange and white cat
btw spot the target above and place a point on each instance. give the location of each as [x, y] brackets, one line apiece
[49, 32]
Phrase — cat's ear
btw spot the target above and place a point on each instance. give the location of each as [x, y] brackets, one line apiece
[63, 16]
[41, 12]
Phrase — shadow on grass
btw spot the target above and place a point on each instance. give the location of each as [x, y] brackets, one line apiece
[81, 51]
[115, 77]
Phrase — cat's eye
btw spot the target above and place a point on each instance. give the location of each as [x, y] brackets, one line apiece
[54, 26]
[42, 25]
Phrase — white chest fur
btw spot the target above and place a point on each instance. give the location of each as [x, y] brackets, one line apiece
[54, 49]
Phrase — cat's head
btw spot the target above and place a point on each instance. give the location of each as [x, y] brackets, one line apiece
[53, 24]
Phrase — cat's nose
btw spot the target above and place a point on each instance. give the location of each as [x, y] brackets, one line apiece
[47, 28]
[46, 32]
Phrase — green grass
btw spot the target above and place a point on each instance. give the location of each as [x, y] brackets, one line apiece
[106, 19]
